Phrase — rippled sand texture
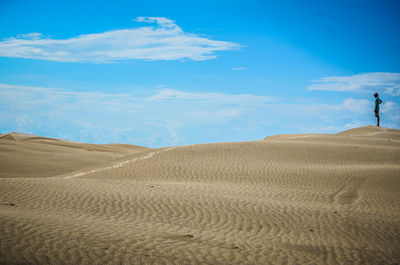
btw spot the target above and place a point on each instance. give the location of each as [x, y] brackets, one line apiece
[26, 155]
[289, 199]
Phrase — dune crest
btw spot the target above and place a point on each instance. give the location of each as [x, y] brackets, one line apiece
[289, 199]
[25, 155]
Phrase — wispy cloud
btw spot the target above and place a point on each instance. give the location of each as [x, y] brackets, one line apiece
[238, 68]
[171, 117]
[388, 83]
[158, 119]
[356, 105]
[391, 112]
[171, 95]
[165, 41]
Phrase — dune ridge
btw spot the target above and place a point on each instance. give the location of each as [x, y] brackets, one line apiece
[288, 199]
[26, 155]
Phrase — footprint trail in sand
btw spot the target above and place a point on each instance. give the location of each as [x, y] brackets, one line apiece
[119, 164]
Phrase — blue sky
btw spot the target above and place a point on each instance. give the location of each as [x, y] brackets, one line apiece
[161, 73]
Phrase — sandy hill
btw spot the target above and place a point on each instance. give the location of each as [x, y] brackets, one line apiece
[26, 155]
[289, 199]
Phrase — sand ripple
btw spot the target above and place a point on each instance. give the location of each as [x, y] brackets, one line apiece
[320, 199]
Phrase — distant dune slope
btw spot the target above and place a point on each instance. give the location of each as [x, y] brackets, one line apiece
[25, 155]
[289, 199]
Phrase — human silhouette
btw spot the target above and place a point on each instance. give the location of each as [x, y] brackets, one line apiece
[377, 102]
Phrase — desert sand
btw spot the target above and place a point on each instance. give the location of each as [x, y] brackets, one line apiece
[26, 155]
[287, 199]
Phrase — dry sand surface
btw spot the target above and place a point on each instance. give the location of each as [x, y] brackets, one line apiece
[288, 199]
[26, 155]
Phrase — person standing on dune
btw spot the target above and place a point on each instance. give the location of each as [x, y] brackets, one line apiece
[377, 102]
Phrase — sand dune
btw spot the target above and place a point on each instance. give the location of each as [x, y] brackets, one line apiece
[26, 155]
[288, 199]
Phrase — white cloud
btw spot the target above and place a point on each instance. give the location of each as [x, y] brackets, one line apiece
[31, 36]
[166, 41]
[158, 119]
[223, 114]
[390, 106]
[388, 83]
[23, 122]
[170, 95]
[165, 22]
[171, 117]
[331, 128]
[238, 68]
[357, 105]
[173, 130]
[391, 111]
